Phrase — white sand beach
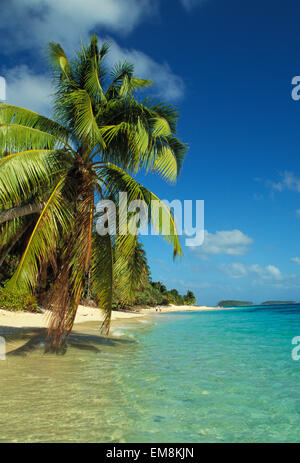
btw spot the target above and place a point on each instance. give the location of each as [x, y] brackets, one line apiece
[88, 314]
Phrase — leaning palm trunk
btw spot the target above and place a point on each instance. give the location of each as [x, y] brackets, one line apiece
[21, 211]
[100, 138]
[76, 261]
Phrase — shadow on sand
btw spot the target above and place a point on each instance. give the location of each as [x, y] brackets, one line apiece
[33, 339]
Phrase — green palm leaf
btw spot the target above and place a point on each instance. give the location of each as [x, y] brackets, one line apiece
[117, 179]
[16, 137]
[10, 114]
[54, 219]
[59, 60]
[166, 164]
[86, 126]
[93, 85]
[23, 173]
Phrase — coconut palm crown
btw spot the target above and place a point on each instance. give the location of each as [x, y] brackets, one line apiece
[52, 172]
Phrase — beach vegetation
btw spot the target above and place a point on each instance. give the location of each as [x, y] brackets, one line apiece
[17, 301]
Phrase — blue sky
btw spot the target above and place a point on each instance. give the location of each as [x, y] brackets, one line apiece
[228, 66]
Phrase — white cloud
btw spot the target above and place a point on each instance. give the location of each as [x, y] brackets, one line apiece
[30, 25]
[296, 260]
[270, 272]
[231, 242]
[29, 90]
[289, 182]
[38, 21]
[298, 213]
[264, 273]
[234, 270]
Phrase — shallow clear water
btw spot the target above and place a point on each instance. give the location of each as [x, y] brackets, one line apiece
[223, 376]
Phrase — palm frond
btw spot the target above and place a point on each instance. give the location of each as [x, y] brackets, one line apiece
[93, 85]
[15, 138]
[59, 60]
[119, 180]
[86, 126]
[54, 218]
[130, 269]
[104, 49]
[94, 71]
[10, 114]
[23, 173]
[179, 150]
[161, 127]
[135, 138]
[165, 164]
[167, 112]
[140, 83]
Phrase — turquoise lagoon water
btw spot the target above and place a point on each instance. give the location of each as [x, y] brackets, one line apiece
[224, 376]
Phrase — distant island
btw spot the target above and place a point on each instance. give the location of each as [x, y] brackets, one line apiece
[233, 303]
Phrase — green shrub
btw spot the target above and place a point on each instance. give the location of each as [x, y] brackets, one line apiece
[18, 301]
[189, 298]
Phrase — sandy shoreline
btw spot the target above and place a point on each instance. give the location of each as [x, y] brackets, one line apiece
[26, 320]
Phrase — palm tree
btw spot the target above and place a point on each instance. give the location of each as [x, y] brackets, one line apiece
[52, 171]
